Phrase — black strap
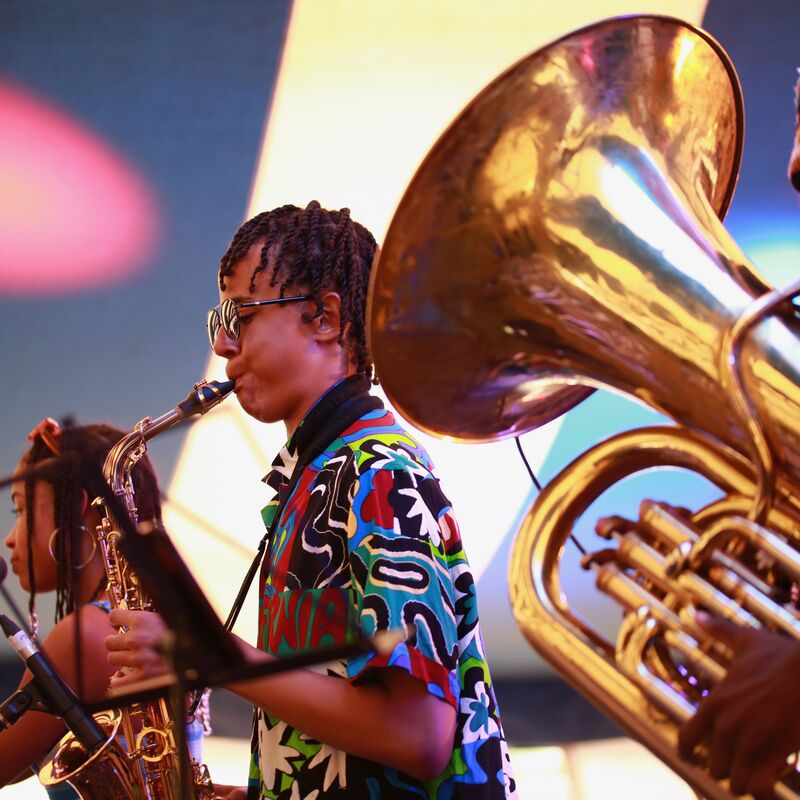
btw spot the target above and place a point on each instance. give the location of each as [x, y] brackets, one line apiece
[345, 415]
[248, 579]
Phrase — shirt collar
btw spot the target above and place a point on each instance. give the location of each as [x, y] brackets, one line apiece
[284, 463]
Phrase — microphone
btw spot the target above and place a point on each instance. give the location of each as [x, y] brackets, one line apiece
[50, 690]
[6, 595]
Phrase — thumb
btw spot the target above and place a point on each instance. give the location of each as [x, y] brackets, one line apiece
[726, 632]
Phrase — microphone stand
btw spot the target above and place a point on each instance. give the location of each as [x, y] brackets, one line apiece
[46, 691]
[9, 599]
[13, 707]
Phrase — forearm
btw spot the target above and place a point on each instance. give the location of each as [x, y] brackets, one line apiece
[25, 743]
[393, 721]
[31, 737]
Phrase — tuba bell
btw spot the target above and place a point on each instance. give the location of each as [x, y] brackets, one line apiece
[564, 234]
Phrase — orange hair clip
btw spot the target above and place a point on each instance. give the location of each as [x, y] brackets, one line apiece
[49, 432]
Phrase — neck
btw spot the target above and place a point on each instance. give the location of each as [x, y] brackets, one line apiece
[93, 574]
[317, 388]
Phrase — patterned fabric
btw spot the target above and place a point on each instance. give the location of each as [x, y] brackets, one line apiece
[366, 540]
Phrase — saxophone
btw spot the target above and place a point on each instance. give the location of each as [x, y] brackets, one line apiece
[147, 765]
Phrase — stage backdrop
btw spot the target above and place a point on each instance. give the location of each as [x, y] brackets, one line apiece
[133, 140]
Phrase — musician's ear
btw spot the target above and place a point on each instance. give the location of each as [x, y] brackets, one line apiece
[326, 324]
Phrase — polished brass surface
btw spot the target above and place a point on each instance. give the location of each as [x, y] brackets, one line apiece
[659, 572]
[568, 222]
[108, 774]
[564, 234]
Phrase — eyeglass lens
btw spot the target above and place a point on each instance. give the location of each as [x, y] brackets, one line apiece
[226, 317]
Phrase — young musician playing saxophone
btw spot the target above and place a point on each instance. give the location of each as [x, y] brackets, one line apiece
[362, 537]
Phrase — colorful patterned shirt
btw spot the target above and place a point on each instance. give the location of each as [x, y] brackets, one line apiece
[366, 540]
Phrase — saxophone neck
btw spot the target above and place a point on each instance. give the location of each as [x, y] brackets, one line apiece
[128, 450]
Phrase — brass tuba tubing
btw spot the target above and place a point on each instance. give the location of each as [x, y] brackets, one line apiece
[629, 680]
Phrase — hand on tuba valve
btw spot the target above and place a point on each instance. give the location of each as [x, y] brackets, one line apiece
[747, 721]
[752, 718]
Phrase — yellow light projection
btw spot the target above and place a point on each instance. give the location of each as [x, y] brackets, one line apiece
[363, 91]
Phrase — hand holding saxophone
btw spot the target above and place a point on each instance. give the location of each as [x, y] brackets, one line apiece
[138, 649]
[751, 719]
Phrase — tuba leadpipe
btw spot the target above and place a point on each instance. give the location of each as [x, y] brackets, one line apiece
[564, 234]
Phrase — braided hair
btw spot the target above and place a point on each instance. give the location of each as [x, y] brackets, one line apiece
[316, 250]
[93, 442]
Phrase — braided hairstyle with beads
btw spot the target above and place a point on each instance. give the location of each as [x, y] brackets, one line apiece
[92, 442]
[318, 251]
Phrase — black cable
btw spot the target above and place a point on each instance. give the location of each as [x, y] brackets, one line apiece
[538, 486]
[527, 465]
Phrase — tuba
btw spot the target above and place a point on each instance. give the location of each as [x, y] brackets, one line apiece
[564, 234]
[140, 758]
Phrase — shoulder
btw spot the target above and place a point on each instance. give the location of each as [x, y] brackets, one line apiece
[378, 442]
[61, 645]
[89, 619]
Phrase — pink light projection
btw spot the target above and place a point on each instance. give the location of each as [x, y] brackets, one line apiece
[73, 214]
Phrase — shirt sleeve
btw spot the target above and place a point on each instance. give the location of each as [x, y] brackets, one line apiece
[404, 544]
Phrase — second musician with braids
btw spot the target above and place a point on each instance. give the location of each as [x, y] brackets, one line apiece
[53, 548]
[362, 538]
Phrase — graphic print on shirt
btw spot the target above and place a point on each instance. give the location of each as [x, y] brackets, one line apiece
[367, 542]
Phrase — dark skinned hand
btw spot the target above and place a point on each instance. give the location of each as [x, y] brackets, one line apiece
[751, 720]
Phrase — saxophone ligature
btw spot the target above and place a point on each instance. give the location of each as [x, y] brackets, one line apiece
[140, 758]
[564, 234]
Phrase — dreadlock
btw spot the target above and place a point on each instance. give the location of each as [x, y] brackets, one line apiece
[316, 250]
[92, 442]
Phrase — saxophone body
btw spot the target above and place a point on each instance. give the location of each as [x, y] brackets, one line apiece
[139, 760]
[564, 234]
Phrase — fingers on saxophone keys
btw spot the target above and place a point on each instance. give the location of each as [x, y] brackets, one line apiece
[120, 618]
[132, 649]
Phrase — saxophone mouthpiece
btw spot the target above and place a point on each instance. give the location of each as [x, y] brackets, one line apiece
[203, 397]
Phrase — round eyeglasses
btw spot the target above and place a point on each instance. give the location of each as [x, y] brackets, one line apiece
[226, 315]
